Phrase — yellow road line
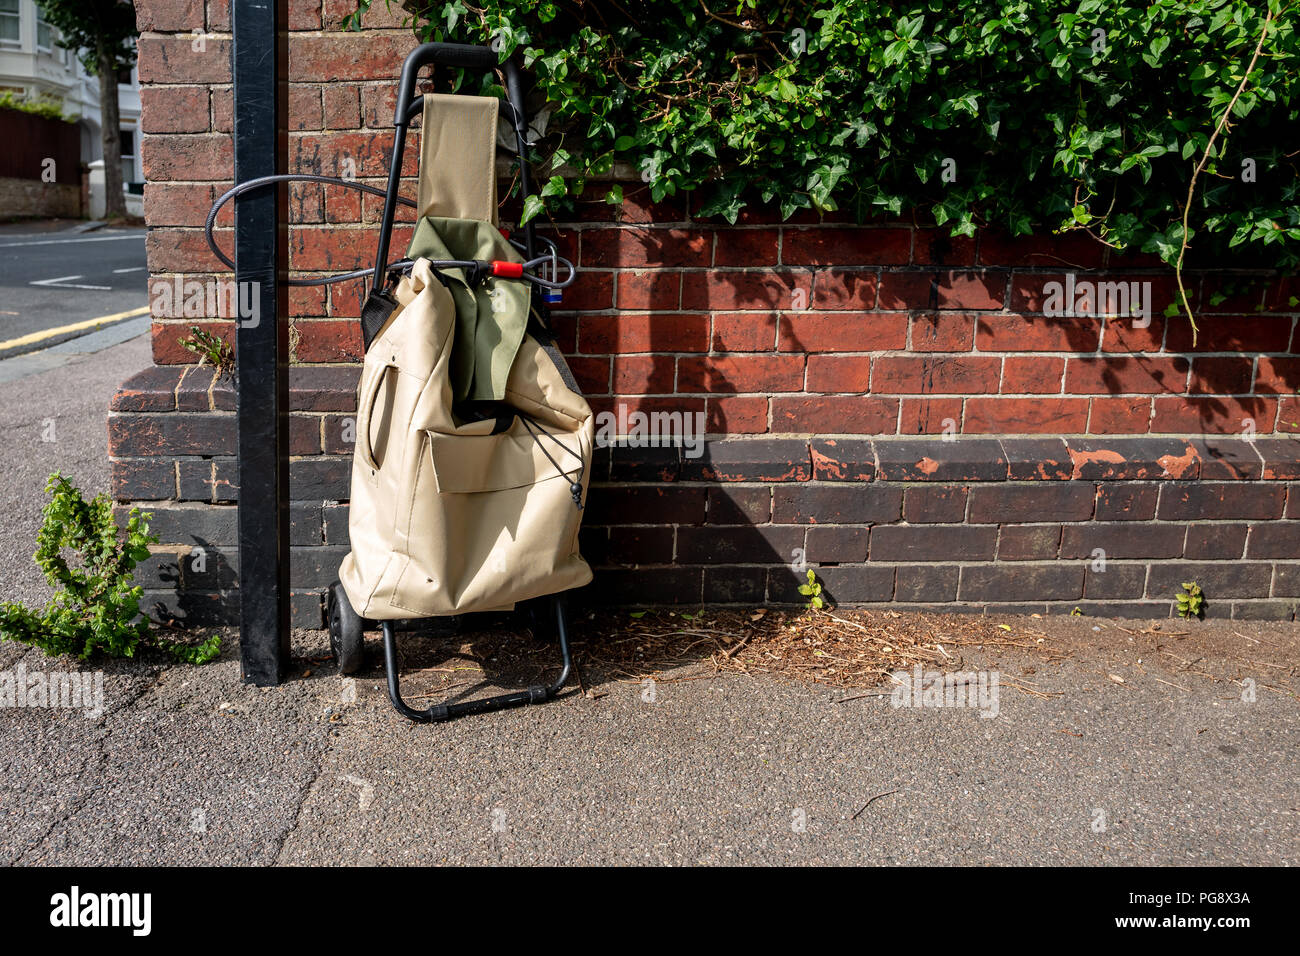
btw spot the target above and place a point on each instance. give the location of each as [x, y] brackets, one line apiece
[31, 337]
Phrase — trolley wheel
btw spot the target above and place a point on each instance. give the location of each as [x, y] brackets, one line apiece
[347, 631]
[538, 615]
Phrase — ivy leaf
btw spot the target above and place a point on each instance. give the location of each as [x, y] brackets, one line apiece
[1158, 45]
[533, 205]
[451, 13]
[895, 52]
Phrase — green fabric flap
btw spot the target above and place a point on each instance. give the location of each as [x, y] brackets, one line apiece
[490, 320]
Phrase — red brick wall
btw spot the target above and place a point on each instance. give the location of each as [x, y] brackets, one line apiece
[829, 328]
[813, 348]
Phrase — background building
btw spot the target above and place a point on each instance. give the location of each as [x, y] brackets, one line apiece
[34, 67]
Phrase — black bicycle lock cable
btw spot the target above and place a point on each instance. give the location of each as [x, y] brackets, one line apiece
[470, 266]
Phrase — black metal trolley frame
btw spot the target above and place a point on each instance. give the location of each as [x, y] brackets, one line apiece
[346, 627]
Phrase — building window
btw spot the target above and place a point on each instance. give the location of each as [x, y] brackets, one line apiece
[10, 23]
[44, 34]
[127, 138]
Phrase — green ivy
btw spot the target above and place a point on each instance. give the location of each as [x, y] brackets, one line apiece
[1030, 115]
[96, 607]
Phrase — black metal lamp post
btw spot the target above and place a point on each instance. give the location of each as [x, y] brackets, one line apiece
[260, 60]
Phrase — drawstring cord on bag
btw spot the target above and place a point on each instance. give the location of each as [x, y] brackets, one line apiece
[575, 489]
[505, 270]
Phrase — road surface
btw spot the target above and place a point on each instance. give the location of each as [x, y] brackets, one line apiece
[57, 280]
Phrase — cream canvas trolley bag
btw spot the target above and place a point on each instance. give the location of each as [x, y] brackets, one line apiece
[450, 518]
[473, 443]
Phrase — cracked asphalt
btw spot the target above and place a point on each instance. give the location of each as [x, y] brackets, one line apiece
[191, 766]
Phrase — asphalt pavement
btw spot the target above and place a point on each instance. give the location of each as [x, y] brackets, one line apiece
[190, 766]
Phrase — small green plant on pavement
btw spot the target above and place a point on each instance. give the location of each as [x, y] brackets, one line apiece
[96, 605]
[813, 592]
[1191, 600]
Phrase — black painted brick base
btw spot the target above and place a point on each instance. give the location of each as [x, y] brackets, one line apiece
[1110, 526]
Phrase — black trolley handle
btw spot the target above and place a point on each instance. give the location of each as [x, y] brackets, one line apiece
[483, 59]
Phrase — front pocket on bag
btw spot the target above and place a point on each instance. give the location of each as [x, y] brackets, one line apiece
[465, 464]
[492, 522]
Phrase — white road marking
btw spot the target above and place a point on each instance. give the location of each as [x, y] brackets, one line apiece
[118, 272]
[63, 282]
[59, 242]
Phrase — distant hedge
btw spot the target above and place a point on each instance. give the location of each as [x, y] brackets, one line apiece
[42, 108]
[1028, 115]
